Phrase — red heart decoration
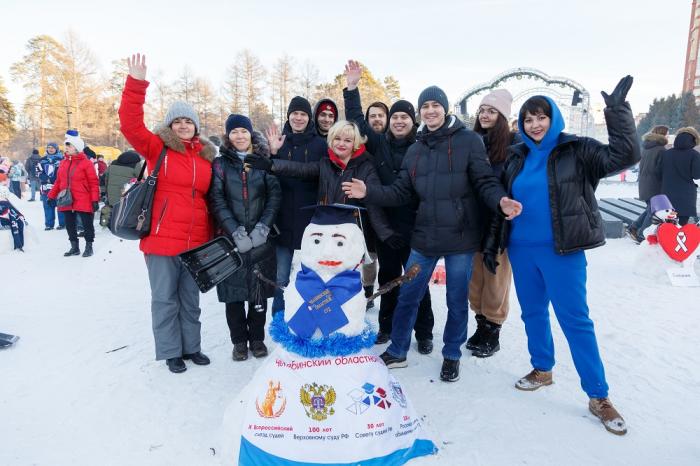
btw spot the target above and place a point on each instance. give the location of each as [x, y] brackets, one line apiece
[679, 243]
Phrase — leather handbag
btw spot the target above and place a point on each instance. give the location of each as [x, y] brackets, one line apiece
[131, 215]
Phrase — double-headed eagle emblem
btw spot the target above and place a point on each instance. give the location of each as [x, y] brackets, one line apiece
[317, 400]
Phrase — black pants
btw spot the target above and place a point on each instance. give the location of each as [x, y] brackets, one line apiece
[245, 328]
[86, 219]
[391, 264]
[683, 219]
[16, 188]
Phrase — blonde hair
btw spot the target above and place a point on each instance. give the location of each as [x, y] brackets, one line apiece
[342, 127]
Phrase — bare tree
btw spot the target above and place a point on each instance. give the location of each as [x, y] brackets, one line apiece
[234, 88]
[282, 83]
[307, 79]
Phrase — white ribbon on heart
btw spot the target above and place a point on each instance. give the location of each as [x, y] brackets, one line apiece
[681, 239]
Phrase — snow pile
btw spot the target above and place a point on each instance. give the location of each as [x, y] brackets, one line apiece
[70, 396]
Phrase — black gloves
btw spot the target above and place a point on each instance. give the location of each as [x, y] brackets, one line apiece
[619, 95]
[258, 162]
[396, 241]
[490, 262]
[95, 206]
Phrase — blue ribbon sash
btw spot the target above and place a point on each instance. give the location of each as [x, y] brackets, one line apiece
[322, 308]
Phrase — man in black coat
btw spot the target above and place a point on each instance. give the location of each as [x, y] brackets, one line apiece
[300, 143]
[446, 168]
[389, 149]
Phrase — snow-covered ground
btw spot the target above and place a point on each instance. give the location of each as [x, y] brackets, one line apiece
[65, 399]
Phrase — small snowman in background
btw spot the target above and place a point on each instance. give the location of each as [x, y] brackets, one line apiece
[323, 397]
[668, 249]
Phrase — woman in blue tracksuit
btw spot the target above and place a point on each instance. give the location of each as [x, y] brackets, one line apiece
[554, 176]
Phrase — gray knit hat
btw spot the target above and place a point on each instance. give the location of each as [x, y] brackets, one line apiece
[181, 109]
[433, 93]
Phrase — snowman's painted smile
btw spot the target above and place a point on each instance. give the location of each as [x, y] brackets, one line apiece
[330, 263]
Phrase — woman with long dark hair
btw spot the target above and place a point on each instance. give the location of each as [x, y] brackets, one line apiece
[489, 287]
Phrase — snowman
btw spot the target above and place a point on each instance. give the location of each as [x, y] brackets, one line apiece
[322, 397]
[653, 261]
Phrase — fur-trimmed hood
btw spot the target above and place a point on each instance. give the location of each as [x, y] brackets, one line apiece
[689, 130]
[172, 141]
[651, 140]
[653, 137]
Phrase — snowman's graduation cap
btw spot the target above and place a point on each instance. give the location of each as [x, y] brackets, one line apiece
[335, 214]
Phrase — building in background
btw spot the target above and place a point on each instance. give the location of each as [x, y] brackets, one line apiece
[691, 78]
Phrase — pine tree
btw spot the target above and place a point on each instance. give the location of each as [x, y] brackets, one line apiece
[7, 115]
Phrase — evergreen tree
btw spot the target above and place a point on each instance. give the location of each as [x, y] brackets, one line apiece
[7, 115]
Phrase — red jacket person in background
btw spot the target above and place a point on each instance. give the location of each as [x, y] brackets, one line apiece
[77, 176]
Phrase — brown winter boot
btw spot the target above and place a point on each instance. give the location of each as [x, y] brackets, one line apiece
[603, 409]
[534, 380]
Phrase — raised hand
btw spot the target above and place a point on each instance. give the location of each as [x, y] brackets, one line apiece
[355, 189]
[275, 138]
[510, 207]
[619, 94]
[137, 66]
[353, 73]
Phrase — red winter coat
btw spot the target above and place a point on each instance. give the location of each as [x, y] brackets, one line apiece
[84, 186]
[180, 219]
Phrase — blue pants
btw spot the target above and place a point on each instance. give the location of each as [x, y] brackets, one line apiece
[50, 213]
[284, 268]
[542, 276]
[458, 269]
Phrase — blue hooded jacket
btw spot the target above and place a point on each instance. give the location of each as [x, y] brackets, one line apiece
[530, 187]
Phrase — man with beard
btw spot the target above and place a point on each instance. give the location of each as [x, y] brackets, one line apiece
[298, 142]
[376, 116]
[325, 116]
[389, 149]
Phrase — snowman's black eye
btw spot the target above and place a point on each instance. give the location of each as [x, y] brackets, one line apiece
[317, 241]
[340, 243]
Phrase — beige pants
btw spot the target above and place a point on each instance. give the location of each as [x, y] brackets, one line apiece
[489, 293]
[369, 271]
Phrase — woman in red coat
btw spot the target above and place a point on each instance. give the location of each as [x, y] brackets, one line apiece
[180, 217]
[76, 175]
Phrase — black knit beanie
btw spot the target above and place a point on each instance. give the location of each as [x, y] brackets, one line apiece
[403, 106]
[238, 121]
[299, 104]
[433, 93]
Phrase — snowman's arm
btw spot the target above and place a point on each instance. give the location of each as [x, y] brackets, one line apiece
[304, 170]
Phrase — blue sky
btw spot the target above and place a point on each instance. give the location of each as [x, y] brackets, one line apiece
[454, 44]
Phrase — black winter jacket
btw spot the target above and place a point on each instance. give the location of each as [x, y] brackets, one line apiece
[574, 168]
[330, 177]
[387, 155]
[679, 167]
[446, 169]
[245, 198]
[298, 193]
[650, 165]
